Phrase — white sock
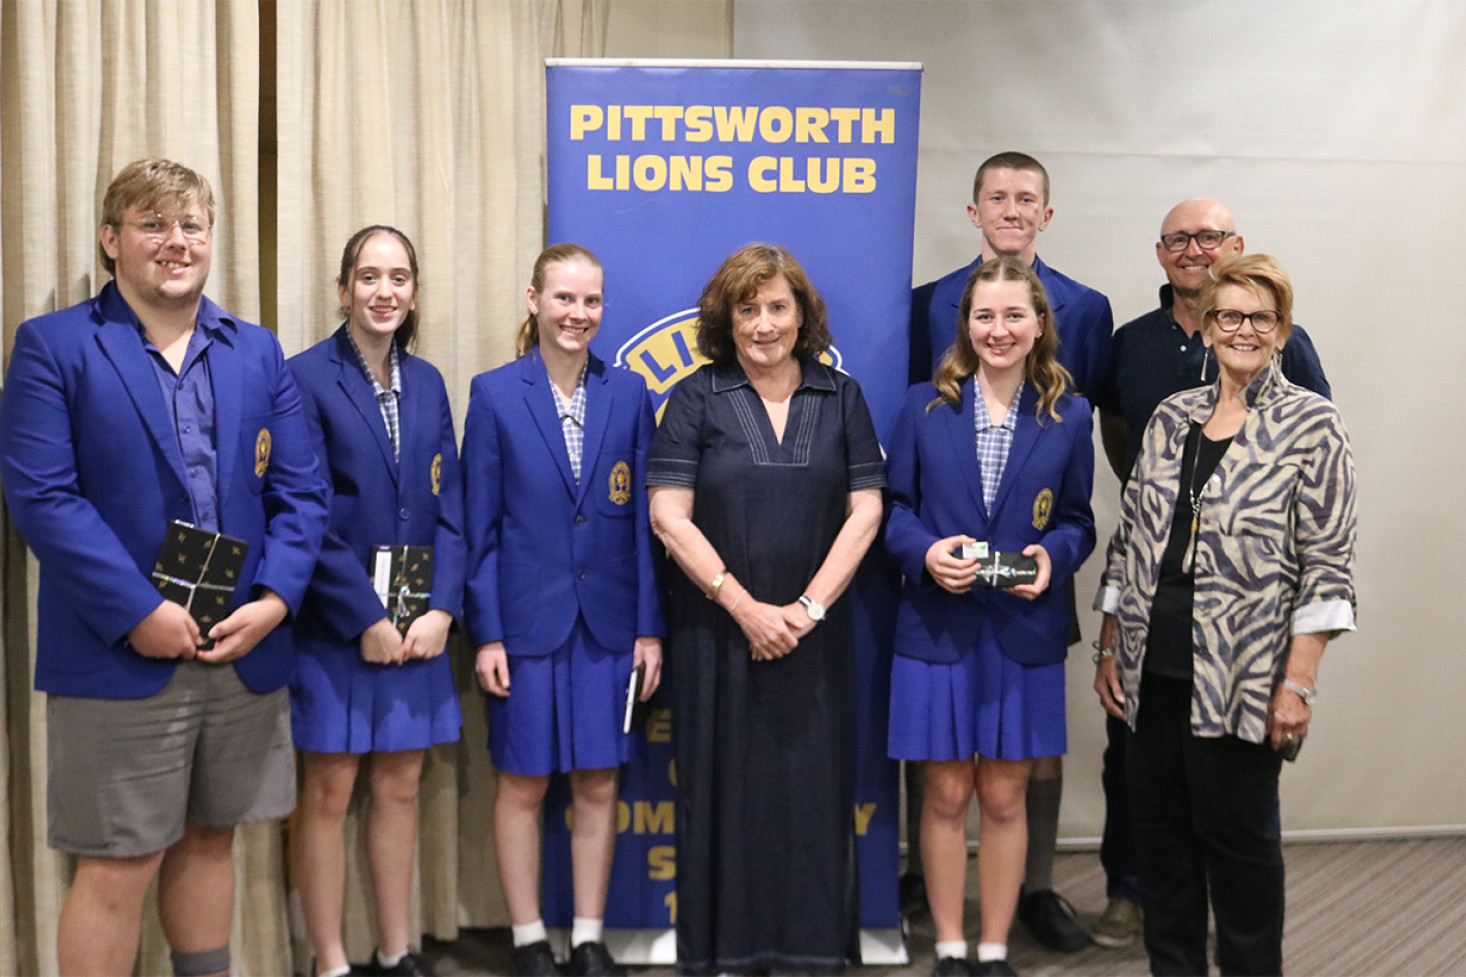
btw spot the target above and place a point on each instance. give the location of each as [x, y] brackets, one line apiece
[584, 930]
[385, 961]
[529, 933]
[991, 951]
[952, 948]
[342, 971]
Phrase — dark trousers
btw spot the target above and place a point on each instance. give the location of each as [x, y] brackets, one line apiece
[1117, 845]
[1206, 821]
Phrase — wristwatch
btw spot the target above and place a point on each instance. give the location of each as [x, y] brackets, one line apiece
[813, 608]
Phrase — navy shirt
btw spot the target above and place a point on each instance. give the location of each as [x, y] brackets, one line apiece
[1152, 357]
[189, 394]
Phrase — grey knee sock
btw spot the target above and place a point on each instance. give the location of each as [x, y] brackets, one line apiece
[1043, 833]
[201, 963]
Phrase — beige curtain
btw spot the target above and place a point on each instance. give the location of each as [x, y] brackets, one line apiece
[427, 115]
[423, 113]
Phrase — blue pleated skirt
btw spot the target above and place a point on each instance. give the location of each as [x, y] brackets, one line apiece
[984, 703]
[342, 704]
[563, 711]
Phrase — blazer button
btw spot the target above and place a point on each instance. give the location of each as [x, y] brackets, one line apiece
[403, 514]
[580, 519]
[580, 573]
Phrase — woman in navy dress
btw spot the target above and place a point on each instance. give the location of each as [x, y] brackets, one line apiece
[992, 455]
[562, 601]
[768, 478]
[381, 426]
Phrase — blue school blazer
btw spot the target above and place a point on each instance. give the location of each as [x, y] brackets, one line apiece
[93, 475]
[376, 499]
[936, 492]
[542, 548]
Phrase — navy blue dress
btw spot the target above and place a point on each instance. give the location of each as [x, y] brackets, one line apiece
[765, 750]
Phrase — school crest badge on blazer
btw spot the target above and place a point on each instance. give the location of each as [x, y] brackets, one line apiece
[620, 483]
[1043, 504]
[262, 452]
[437, 472]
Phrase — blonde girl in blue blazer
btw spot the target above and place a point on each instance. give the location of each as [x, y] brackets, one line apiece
[977, 683]
[562, 600]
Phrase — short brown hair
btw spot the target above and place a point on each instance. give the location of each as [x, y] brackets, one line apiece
[738, 279]
[1010, 161]
[159, 184]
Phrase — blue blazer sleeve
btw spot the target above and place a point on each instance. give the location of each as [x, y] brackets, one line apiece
[93, 475]
[483, 508]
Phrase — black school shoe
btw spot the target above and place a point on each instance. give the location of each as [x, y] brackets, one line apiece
[534, 960]
[592, 959]
[952, 967]
[994, 968]
[411, 965]
[1050, 919]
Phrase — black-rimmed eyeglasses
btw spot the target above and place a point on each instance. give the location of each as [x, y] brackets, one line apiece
[1230, 320]
[1205, 240]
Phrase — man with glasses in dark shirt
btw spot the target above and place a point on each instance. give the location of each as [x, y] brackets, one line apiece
[1152, 357]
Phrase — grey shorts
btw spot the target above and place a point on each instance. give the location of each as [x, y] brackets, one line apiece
[127, 774]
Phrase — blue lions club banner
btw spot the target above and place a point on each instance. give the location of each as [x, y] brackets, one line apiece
[663, 169]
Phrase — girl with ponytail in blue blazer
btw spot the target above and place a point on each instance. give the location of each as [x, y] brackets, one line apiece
[380, 422]
[562, 601]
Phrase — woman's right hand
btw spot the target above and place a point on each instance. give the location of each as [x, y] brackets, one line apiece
[492, 667]
[767, 631]
[952, 573]
[381, 644]
[1107, 670]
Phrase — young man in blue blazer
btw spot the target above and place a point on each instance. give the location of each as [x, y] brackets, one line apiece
[1010, 207]
[144, 405]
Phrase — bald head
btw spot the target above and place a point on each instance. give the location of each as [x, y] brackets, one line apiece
[1187, 268]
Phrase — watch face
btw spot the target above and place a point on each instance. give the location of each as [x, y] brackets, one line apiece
[813, 608]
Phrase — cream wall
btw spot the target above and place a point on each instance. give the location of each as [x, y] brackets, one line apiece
[1337, 134]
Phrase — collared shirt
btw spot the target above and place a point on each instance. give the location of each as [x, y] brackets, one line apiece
[993, 441]
[572, 420]
[189, 394]
[386, 399]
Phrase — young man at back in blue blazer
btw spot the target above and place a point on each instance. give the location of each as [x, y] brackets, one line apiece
[144, 406]
[1009, 208]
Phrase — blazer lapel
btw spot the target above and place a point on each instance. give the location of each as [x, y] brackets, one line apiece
[123, 345]
[597, 412]
[1025, 435]
[354, 383]
[961, 432]
[541, 404]
[225, 373]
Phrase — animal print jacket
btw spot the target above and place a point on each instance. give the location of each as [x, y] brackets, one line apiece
[1274, 547]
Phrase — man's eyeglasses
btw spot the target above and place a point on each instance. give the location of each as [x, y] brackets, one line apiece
[1205, 240]
[1230, 320]
[156, 227]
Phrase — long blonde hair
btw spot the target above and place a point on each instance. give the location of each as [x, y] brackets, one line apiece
[1041, 368]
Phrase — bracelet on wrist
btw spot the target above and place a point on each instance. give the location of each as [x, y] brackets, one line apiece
[1100, 653]
[1307, 695]
[716, 585]
[733, 605]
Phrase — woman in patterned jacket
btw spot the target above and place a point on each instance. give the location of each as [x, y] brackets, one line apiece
[1230, 570]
